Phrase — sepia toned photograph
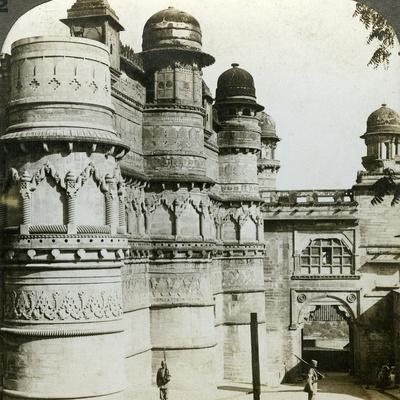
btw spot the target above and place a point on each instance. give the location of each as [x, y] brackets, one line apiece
[199, 199]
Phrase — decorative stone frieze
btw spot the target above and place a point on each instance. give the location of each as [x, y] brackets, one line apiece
[183, 288]
[60, 305]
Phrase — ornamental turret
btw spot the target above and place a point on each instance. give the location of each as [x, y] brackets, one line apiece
[382, 139]
[173, 131]
[267, 164]
[96, 20]
[239, 133]
[241, 228]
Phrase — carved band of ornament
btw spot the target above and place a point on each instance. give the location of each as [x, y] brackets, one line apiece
[141, 254]
[238, 149]
[70, 184]
[135, 284]
[56, 333]
[34, 305]
[173, 106]
[171, 254]
[241, 214]
[241, 253]
[170, 288]
[45, 255]
[81, 229]
[93, 229]
[48, 229]
[173, 204]
[242, 279]
[272, 167]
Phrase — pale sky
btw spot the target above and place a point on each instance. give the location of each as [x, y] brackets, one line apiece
[309, 62]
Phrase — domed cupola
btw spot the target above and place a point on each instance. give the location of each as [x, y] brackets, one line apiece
[383, 120]
[383, 140]
[268, 127]
[172, 29]
[236, 86]
[238, 133]
[174, 117]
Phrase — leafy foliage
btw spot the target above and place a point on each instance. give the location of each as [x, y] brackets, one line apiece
[380, 30]
[386, 186]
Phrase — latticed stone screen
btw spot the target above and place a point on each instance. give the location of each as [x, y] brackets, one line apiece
[326, 312]
[326, 257]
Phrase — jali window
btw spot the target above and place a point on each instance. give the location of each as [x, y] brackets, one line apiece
[326, 257]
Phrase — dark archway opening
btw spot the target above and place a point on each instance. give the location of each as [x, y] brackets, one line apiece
[327, 337]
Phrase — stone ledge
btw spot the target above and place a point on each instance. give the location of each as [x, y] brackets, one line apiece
[324, 277]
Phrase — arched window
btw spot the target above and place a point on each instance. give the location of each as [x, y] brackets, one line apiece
[326, 257]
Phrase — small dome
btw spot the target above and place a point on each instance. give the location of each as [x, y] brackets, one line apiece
[235, 82]
[383, 120]
[267, 125]
[172, 28]
[236, 85]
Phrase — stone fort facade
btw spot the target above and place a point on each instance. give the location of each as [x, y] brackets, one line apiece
[140, 217]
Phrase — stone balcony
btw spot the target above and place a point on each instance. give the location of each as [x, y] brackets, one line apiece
[309, 204]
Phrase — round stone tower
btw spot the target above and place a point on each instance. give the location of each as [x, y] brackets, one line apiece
[383, 141]
[267, 165]
[62, 247]
[173, 135]
[178, 222]
[239, 134]
[241, 224]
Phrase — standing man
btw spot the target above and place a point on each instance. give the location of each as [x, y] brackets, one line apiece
[163, 378]
[312, 380]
